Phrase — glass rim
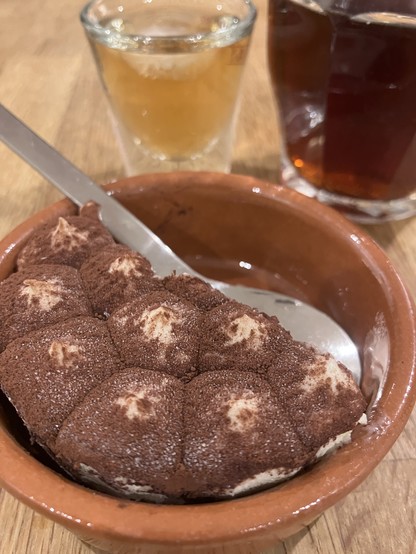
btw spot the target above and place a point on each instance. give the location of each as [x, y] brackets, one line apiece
[239, 29]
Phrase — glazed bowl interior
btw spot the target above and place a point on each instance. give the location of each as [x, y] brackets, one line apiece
[239, 229]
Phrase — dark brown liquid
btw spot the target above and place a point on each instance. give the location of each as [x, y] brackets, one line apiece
[347, 95]
[240, 273]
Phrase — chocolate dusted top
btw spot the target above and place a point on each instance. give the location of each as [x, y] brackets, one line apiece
[116, 275]
[69, 241]
[236, 428]
[317, 393]
[235, 336]
[217, 398]
[129, 430]
[39, 296]
[48, 372]
[196, 291]
[159, 331]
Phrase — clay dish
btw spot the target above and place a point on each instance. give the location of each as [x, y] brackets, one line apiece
[286, 242]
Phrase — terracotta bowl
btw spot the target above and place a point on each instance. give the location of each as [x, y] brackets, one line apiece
[298, 247]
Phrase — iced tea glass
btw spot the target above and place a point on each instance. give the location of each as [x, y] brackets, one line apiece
[172, 71]
[344, 76]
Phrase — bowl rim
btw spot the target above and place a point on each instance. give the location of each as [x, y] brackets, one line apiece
[277, 509]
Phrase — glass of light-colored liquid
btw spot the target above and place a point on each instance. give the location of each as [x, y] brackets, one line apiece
[172, 71]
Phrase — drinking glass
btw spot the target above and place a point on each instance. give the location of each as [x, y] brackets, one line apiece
[171, 70]
[344, 76]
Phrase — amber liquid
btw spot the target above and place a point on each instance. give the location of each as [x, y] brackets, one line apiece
[346, 88]
[175, 102]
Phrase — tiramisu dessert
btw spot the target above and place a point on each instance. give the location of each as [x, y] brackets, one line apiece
[159, 389]
[114, 275]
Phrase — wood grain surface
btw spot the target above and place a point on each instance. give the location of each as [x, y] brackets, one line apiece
[48, 79]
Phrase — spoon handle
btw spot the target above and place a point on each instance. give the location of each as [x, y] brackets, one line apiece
[79, 188]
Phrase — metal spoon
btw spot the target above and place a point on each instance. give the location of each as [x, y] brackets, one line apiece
[303, 321]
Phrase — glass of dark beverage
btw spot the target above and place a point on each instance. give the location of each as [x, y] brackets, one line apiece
[344, 76]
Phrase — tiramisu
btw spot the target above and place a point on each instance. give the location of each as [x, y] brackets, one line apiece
[114, 275]
[48, 372]
[38, 296]
[159, 389]
[69, 241]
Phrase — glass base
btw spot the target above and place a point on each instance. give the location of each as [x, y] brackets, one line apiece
[356, 209]
[137, 160]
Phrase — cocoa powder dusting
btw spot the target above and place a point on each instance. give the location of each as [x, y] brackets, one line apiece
[163, 390]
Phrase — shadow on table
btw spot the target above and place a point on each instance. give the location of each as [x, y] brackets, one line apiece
[267, 170]
[386, 233]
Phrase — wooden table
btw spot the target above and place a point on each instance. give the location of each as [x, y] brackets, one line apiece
[47, 77]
